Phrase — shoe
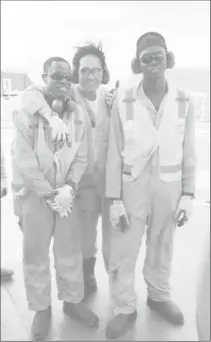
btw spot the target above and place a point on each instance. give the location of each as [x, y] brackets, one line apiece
[6, 274]
[80, 313]
[168, 310]
[119, 324]
[41, 324]
[90, 284]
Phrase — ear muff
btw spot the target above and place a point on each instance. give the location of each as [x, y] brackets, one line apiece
[170, 60]
[135, 66]
[106, 75]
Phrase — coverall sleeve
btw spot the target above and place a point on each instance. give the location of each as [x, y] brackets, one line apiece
[114, 155]
[25, 157]
[80, 162]
[189, 152]
[3, 171]
[102, 133]
[33, 100]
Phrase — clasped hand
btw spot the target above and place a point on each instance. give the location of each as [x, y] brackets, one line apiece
[63, 200]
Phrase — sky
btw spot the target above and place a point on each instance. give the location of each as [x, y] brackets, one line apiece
[32, 31]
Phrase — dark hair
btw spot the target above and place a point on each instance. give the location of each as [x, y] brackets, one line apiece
[90, 49]
[50, 60]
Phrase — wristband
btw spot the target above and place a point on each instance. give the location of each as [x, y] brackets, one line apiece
[117, 202]
[48, 115]
[72, 184]
[190, 194]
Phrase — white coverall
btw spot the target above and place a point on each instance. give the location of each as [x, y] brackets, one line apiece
[37, 170]
[148, 193]
[90, 199]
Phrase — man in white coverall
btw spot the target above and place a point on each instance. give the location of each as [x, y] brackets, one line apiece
[46, 174]
[150, 178]
[90, 74]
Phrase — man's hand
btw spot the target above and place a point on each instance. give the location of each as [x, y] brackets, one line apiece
[64, 212]
[59, 129]
[110, 97]
[63, 198]
[118, 216]
[184, 210]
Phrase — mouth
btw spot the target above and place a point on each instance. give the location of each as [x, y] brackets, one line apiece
[154, 70]
[63, 88]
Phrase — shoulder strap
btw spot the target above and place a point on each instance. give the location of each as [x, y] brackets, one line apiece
[126, 102]
[78, 121]
[183, 103]
[129, 103]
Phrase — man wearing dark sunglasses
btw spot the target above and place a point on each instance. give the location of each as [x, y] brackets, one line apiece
[89, 76]
[150, 178]
[46, 176]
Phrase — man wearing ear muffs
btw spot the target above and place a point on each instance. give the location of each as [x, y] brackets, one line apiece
[150, 178]
[46, 176]
[89, 75]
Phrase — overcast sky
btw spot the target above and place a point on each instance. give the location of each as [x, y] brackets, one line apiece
[32, 31]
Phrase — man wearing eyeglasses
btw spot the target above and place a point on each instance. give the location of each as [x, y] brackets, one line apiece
[150, 178]
[90, 74]
[46, 175]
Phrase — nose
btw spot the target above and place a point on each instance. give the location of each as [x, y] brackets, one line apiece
[64, 81]
[154, 61]
[91, 76]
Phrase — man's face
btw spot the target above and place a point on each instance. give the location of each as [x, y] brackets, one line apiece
[90, 73]
[58, 78]
[153, 62]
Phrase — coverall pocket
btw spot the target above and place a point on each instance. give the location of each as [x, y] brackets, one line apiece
[127, 178]
[180, 127]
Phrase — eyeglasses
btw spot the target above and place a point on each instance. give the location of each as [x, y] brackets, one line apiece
[87, 71]
[147, 59]
[59, 76]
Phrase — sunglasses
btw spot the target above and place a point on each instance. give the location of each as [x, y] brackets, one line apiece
[59, 76]
[148, 59]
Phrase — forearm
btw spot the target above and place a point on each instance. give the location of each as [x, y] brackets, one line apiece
[114, 157]
[33, 101]
[189, 154]
[26, 159]
[79, 164]
[3, 171]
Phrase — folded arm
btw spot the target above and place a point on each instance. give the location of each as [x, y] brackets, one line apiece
[25, 157]
[114, 156]
[189, 153]
[80, 163]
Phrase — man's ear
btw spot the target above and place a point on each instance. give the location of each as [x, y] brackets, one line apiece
[44, 77]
